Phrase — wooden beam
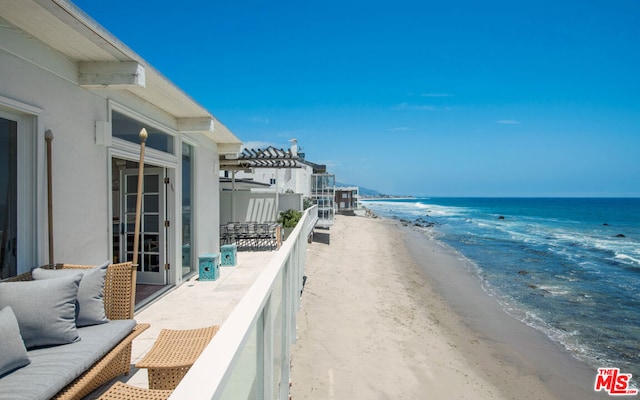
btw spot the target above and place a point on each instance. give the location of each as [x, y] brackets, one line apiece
[111, 74]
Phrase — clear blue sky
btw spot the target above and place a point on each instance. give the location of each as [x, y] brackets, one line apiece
[440, 98]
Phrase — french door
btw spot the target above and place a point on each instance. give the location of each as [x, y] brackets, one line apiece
[152, 249]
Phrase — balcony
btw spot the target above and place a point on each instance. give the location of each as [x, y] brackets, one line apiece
[255, 303]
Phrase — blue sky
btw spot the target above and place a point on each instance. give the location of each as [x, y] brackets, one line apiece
[455, 98]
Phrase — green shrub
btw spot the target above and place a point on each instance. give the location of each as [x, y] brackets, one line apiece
[289, 218]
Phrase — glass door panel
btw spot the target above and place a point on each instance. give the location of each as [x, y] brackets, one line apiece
[8, 197]
[151, 251]
[187, 218]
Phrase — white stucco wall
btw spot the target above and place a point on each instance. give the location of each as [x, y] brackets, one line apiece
[81, 168]
[297, 180]
[80, 189]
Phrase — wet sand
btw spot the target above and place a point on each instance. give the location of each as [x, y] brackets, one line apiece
[389, 314]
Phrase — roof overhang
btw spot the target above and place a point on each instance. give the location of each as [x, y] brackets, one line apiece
[105, 64]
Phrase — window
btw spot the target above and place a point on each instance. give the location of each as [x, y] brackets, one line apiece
[128, 129]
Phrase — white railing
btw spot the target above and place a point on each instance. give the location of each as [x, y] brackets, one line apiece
[249, 358]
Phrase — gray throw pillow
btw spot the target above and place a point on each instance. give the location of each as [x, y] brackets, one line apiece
[13, 354]
[90, 306]
[45, 310]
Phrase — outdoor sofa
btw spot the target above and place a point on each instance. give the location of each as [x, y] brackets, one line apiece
[64, 332]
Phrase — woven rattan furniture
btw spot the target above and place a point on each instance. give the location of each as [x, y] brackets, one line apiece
[173, 353]
[122, 391]
[119, 298]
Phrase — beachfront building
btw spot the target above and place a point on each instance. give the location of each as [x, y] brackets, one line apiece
[245, 200]
[347, 199]
[258, 184]
[323, 187]
[65, 78]
[290, 179]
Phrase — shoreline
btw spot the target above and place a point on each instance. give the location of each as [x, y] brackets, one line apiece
[521, 351]
[390, 313]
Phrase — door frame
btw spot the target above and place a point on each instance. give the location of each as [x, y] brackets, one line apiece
[171, 201]
[32, 226]
[146, 277]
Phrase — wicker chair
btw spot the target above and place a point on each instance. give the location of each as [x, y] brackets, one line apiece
[119, 301]
[122, 391]
[173, 354]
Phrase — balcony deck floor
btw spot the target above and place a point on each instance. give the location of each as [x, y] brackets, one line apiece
[194, 304]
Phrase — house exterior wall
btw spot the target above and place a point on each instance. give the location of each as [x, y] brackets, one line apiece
[246, 206]
[207, 199]
[297, 180]
[41, 87]
[80, 188]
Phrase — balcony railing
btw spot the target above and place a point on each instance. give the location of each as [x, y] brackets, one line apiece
[249, 358]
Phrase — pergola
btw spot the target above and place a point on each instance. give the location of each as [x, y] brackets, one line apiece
[269, 157]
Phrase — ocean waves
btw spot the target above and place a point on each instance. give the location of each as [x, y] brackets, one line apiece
[568, 267]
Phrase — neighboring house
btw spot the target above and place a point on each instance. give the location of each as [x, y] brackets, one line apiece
[283, 180]
[244, 199]
[347, 198]
[61, 72]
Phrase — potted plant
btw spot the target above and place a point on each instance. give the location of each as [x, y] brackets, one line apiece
[289, 219]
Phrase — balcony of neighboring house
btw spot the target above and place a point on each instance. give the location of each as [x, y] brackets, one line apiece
[255, 303]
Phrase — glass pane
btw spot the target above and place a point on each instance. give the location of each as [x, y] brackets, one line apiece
[132, 184]
[8, 197]
[125, 128]
[277, 310]
[151, 203]
[151, 223]
[131, 223]
[243, 382]
[187, 262]
[151, 244]
[151, 263]
[131, 203]
[151, 183]
[130, 242]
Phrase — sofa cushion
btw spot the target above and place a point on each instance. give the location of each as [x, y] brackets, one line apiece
[13, 354]
[53, 368]
[90, 305]
[45, 310]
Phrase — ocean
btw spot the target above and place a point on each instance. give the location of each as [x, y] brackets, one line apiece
[569, 267]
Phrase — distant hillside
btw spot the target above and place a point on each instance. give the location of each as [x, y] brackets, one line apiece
[362, 190]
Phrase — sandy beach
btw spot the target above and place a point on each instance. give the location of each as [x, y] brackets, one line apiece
[389, 314]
